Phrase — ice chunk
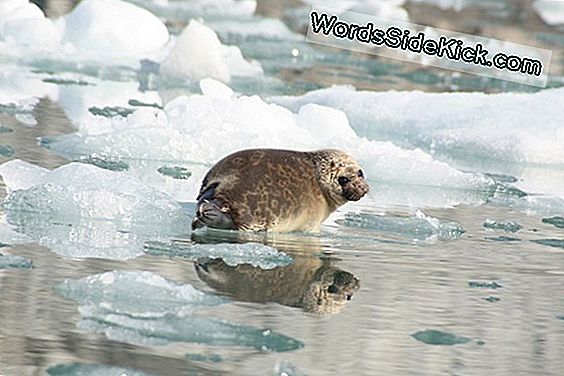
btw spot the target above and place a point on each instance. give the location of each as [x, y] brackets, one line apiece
[175, 172]
[182, 11]
[485, 284]
[114, 28]
[556, 221]
[6, 151]
[257, 255]
[438, 337]
[285, 368]
[256, 27]
[551, 11]
[83, 369]
[80, 210]
[118, 292]
[199, 54]
[22, 22]
[466, 126]
[506, 226]
[417, 228]
[212, 88]
[190, 128]
[143, 308]
[14, 262]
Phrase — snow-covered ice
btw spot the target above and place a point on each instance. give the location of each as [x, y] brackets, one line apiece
[198, 53]
[551, 11]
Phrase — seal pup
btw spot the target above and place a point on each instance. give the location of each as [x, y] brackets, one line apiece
[277, 190]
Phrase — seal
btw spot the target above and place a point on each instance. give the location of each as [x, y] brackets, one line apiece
[277, 190]
[309, 283]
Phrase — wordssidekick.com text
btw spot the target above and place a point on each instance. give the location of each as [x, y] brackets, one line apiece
[397, 38]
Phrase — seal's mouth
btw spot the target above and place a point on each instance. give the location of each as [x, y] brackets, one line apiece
[355, 193]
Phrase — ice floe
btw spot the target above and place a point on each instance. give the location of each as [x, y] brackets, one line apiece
[257, 255]
[14, 262]
[551, 11]
[198, 53]
[79, 210]
[143, 308]
[189, 128]
[417, 228]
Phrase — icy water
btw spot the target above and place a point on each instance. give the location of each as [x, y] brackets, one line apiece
[452, 265]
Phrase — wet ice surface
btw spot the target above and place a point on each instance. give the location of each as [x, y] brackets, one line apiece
[110, 304]
[257, 255]
[457, 243]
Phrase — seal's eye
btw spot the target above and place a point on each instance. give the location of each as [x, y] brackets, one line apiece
[332, 289]
[360, 173]
[343, 180]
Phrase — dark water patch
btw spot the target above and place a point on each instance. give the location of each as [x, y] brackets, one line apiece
[110, 112]
[4, 129]
[107, 163]
[555, 221]
[67, 82]
[556, 243]
[502, 239]
[492, 299]
[484, 285]
[505, 226]
[560, 317]
[438, 337]
[137, 103]
[6, 151]
[175, 172]
[14, 262]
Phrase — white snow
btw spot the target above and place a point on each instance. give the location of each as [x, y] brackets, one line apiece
[198, 53]
[551, 11]
[114, 28]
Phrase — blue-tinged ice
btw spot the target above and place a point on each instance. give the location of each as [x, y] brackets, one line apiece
[14, 262]
[142, 308]
[416, 228]
[80, 210]
[255, 254]
[84, 369]
[121, 292]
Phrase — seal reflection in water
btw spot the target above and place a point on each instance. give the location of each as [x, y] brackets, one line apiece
[309, 283]
[277, 190]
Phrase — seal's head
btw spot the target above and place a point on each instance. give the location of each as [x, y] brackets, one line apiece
[340, 176]
[329, 291]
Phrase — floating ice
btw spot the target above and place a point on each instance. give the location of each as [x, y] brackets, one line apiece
[506, 226]
[511, 127]
[83, 369]
[256, 27]
[189, 130]
[484, 284]
[285, 368]
[14, 262]
[556, 243]
[438, 337]
[390, 9]
[199, 54]
[556, 221]
[257, 255]
[179, 10]
[143, 308]
[175, 172]
[80, 210]
[417, 228]
[22, 22]
[119, 292]
[114, 28]
[6, 151]
[551, 11]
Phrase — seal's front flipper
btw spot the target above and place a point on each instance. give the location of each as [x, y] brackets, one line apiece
[212, 215]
